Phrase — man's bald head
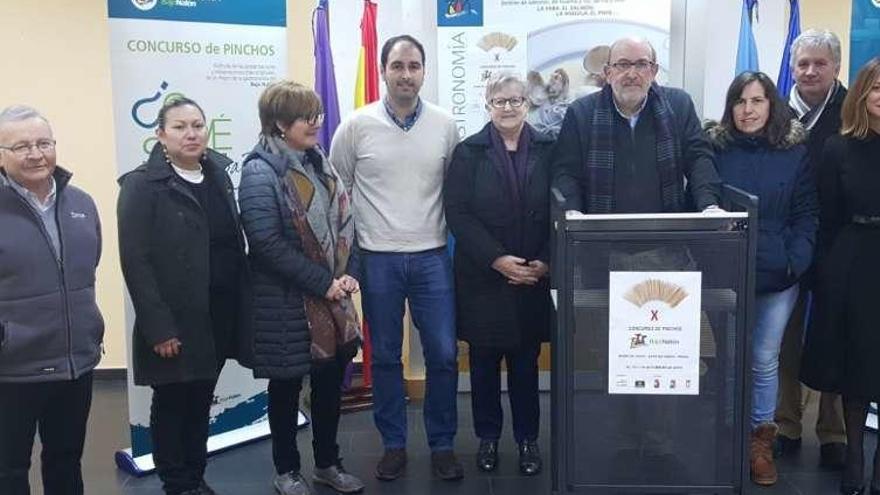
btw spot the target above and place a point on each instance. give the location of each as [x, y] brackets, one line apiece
[628, 44]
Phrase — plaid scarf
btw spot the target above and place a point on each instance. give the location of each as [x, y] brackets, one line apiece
[600, 157]
[333, 325]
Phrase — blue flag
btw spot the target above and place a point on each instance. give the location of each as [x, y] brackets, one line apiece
[785, 81]
[746, 50]
[325, 76]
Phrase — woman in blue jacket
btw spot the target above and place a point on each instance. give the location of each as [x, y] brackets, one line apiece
[297, 217]
[759, 148]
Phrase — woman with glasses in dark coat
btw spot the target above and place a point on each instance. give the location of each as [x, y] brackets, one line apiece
[497, 198]
[297, 217]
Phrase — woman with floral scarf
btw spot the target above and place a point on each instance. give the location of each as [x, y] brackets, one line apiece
[297, 218]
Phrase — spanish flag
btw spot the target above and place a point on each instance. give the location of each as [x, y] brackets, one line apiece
[367, 86]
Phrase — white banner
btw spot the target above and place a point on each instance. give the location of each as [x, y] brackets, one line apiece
[654, 333]
[220, 53]
[559, 45]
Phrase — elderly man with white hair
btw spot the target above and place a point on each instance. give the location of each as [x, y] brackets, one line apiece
[816, 99]
[50, 326]
[629, 147]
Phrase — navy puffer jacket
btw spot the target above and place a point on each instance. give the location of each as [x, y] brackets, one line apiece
[788, 206]
[280, 345]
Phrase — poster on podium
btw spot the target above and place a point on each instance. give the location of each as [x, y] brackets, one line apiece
[654, 333]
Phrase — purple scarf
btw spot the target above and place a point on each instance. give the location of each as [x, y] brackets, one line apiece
[514, 170]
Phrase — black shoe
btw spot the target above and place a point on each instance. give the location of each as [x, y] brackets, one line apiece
[392, 465]
[529, 458]
[852, 490]
[784, 446]
[487, 455]
[832, 455]
[445, 466]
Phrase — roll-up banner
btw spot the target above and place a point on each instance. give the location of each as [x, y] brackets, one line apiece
[220, 53]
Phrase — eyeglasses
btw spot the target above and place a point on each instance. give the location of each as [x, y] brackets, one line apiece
[22, 150]
[640, 65]
[515, 102]
[314, 120]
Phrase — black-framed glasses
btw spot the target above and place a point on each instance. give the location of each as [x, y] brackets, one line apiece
[314, 120]
[639, 65]
[514, 102]
[22, 150]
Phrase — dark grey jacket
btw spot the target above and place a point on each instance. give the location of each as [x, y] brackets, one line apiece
[164, 249]
[50, 325]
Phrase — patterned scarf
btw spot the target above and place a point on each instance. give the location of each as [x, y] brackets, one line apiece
[327, 233]
[808, 116]
[600, 157]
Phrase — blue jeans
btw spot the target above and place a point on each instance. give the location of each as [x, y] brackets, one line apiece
[425, 279]
[772, 311]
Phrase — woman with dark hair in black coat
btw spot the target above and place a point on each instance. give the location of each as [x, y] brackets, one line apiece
[497, 199]
[182, 253]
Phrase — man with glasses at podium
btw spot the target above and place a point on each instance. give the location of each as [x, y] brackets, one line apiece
[629, 147]
[635, 147]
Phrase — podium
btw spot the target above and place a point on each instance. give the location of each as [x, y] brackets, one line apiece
[650, 375]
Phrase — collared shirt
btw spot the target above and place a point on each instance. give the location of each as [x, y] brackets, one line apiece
[45, 210]
[410, 120]
[634, 118]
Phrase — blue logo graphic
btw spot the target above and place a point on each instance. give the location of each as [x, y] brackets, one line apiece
[459, 13]
[143, 101]
[144, 4]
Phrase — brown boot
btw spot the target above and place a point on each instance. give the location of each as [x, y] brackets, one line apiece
[763, 469]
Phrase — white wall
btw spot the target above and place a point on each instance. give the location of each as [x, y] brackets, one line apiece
[394, 17]
[714, 28]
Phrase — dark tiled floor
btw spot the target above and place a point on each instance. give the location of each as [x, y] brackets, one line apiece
[247, 470]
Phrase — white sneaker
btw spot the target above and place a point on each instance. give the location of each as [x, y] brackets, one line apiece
[336, 478]
[291, 484]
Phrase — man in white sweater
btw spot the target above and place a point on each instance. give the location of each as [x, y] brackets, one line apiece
[392, 156]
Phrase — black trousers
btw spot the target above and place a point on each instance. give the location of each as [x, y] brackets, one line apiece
[60, 411]
[522, 389]
[326, 383]
[179, 418]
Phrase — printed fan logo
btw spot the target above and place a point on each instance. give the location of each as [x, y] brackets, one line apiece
[656, 290]
[497, 40]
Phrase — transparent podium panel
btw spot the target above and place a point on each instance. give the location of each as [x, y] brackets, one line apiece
[654, 439]
[650, 368]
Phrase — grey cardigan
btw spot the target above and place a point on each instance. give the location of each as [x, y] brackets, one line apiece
[50, 325]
